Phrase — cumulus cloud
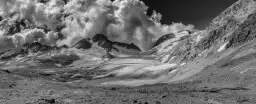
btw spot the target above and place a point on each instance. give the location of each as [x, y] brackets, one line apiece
[35, 35]
[121, 20]
[27, 36]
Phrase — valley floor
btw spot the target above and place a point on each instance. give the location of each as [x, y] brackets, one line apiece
[34, 88]
[72, 86]
[223, 78]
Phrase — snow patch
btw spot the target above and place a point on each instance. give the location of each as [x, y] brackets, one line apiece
[156, 69]
[165, 58]
[182, 64]
[222, 47]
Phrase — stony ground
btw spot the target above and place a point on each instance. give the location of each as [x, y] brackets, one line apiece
[66, 86]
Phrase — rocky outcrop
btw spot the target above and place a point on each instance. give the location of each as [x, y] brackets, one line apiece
[164, 38]
[127, 46]
[45, 1]
[226, 23]
[83, 44]
[245, 32]
[1, 18]
[216, 34]
[103, 42]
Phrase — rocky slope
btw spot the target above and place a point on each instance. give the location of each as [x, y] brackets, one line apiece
[224, 25]
[233, 27]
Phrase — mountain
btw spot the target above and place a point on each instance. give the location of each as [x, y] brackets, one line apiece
[232, 28]
[219, 54]
[215, 66]
[224, 26]
[83, 44]
[108, 46]
[164, 38]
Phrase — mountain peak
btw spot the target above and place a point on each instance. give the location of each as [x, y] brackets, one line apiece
[225, 24]
[102, 41]
[239, 11]
[83, 44]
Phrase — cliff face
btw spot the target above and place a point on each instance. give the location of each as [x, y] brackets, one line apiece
[245, 32]
[231, 28]
[164, 38]
[226, 23]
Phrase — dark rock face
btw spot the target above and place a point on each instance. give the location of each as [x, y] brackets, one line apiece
[43, 1]
[217, 33]
[103, 42]
[83, 44]
[226, 23]
[164, 38]
[99, 37]
[128, 46]
[65, 1]
[246, 32]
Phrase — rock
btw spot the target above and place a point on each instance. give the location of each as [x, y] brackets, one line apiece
[46, 101]
[244, 33]
[83, 44]
[105, 43]
[164, 38]
[113, 88]
[227, 22]
[108, 56]
[158, 102]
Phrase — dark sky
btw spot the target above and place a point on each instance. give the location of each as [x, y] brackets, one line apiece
[196, 12]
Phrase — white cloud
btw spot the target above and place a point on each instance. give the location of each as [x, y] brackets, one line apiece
[120, 20]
